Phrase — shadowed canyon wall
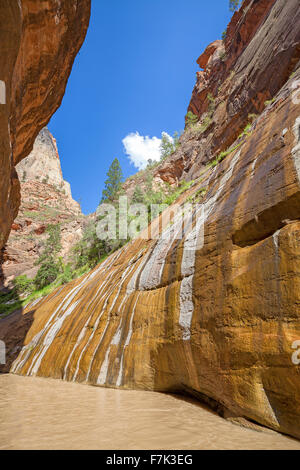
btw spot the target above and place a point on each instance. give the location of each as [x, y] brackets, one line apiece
[214, 314]
[39, 42]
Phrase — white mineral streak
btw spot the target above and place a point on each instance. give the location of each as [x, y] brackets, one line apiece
[30, 348]
[26, 350]
[194, 241]
[275, 238]
[104, 284]
[152, 274]
[2, 92]
[186, 307]
[296, 149]
[57, 324]
[84, 330]
[104, 368]
[210, 204]
[48, 340]
[107, 295]
[82, 334]
[131, 287]
[127, 342]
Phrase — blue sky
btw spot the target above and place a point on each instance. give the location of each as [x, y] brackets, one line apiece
[134, 73]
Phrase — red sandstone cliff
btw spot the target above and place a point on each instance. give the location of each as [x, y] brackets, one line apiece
[259, 54]
[39, 42]
[45, 199]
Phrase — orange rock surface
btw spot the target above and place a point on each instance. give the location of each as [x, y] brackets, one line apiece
[217, 313]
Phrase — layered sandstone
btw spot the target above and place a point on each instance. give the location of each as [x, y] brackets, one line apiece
[216, 313]
[46, 199]
[260, 52]
[39, 42]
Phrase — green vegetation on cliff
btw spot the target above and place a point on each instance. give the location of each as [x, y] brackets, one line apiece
[113, 184]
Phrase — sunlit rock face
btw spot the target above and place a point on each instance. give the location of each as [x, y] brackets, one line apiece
[215, 319]
[43, 165]
[46, 199]
[39, 42]
[260, 52]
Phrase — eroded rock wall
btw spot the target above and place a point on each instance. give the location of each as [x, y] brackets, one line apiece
[239, 75]
[217, 312]
[39, 42]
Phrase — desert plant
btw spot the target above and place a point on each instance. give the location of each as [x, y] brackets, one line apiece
[269, 101]
[52, 245]
[23, 285]
[47, 273]
[191, 119]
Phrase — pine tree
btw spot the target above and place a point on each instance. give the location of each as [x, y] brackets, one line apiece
[191, 119]
[167, 146]
[49, 264]
[52, 245]
[113, 184]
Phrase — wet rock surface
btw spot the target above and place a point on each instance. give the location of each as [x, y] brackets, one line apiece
[216, 319]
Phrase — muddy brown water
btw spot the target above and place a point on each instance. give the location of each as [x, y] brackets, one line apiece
[40, 413]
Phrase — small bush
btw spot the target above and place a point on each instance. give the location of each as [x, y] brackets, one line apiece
[191, 119]
[67, 275]
[246, 131]
[47, 274]
[252, 117]
[269, 102]
[168, 146]
[23, 285]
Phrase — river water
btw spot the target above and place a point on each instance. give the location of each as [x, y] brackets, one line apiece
[40, 413]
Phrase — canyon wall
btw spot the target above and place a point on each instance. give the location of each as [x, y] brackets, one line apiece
[46, 199]
[39, 42]
[215, 314]
[260, 52]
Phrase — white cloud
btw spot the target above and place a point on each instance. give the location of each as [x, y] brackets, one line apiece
[140, 149]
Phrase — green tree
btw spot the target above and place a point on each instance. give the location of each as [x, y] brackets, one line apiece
[167, 146]
[191, 119]
[50, 267]
[52, 245]
[234, 5]
[23, 285]
[176, 141]
[89, 251]
[113, 184]
[47, 273]
[138, 195]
